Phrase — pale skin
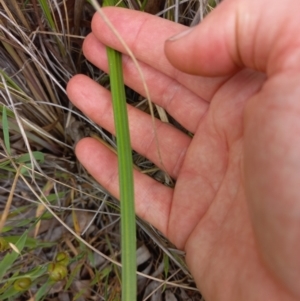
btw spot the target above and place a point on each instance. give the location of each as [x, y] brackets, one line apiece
[234, 82]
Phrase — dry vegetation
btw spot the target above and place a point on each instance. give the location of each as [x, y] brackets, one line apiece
[48, 203]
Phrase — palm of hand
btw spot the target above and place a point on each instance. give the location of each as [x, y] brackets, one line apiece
[209, 215]
[206, 214]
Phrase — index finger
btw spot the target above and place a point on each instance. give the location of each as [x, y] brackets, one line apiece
[145, 35]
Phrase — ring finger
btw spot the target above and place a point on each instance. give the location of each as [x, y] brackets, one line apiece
[95, 102]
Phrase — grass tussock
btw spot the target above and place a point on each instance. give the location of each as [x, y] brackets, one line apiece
[59, 235]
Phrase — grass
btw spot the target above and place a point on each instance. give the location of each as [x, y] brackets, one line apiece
[125, 168]
[48, 202]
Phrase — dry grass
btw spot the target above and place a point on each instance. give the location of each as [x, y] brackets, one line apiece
[48, 202]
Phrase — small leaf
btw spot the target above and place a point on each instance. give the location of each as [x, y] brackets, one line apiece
[5, 129]
[25, 158]
[14, 248]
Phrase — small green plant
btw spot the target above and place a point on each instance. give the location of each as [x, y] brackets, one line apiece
[22, 284]
[3, 244]
[57, 271]
[62, 258]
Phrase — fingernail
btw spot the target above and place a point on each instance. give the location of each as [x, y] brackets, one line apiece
[181, 34]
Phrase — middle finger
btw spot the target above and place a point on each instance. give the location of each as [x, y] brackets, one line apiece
[163, 90]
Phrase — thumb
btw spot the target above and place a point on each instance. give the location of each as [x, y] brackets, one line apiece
[264, 36]
[261, 35]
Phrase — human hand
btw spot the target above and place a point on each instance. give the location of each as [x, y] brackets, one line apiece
[235, 209]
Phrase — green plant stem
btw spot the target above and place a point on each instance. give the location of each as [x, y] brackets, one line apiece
[125, 166]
